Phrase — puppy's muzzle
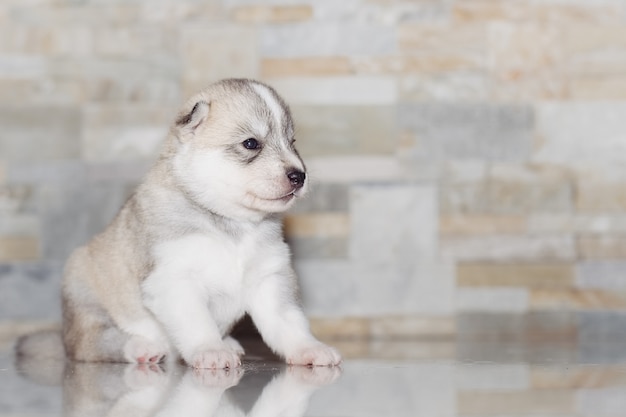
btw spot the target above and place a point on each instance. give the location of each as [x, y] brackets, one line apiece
[296, 178]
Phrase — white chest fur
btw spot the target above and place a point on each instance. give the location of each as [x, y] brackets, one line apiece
[215, 270]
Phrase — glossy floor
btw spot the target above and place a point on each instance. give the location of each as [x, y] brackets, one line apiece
[382, 379]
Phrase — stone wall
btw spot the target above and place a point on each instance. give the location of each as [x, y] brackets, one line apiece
[467, 155]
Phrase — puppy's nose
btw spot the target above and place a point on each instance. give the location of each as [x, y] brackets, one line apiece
[296, 178]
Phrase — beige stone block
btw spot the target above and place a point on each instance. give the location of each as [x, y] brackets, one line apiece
[514, 52]
[19, 249]
[576, 299]
[481, 224]
[583, 377]
[327, 225]
[340, 328]
[426, 63]
[593, 48]
[305, 67]
[470, 39]
[600, 87]
[403, 327]
[210, 53]
[602, 247]
[520, 11]
[547, 275]
[601, 197]
[413, 349]
[524, 402]
[272, 14]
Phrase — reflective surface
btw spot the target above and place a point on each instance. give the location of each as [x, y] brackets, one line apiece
[383, 379]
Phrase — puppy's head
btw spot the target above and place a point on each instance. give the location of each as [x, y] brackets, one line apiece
[232, 150]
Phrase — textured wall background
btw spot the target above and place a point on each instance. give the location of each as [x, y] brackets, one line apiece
[468, 155]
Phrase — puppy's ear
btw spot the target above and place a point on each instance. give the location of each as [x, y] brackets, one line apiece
[187, 123]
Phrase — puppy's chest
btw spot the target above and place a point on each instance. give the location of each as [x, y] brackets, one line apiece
[219, 263]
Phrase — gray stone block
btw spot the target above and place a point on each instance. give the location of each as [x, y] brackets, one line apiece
[72, 213]
[30, 290]
[324, 197]
[345, 130]
[393, 223]
[606, 275]
[39, 133]
[322, 39]
[484, 131]
[318, 248]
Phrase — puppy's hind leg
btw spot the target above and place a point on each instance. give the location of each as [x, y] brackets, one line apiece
[90, 337]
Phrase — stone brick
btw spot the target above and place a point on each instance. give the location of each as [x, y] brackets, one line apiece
[215, 52]
[347, 91]
[549, 275]
[490, 377]
[507, 248]
[577, 223]
[478, 224]
[327, 288]
[38, 283]
[601, 327]
[523, 11]
[305, 67]
[54, 130]
[410, 327]
[408, 286]
[446, 86]
[534, 326]
[492, 300]
[312, 39]
[135, 40]
[601, 197]
[393, 223]
[19, 249]
[605, 275]
[318, 247]
[357, 169]
[72, 213]
[509, 190]
[529, 402]
[19, 225]
[317, 225]
[516, 61]
[470, 39]
[341, 328]
[598, 87]
[602, 247]
[46, 39]
[502, 197]
[272, 14]
[345, 130]
[443, 64]
[13, 198]
[577, 299]
[324, 197]
[564, 129]
[481, 131]
[117, 133]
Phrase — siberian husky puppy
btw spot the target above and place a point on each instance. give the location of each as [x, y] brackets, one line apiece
[199, 244]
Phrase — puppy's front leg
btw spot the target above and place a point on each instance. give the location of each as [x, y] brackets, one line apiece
[275, 311]
[182, 309]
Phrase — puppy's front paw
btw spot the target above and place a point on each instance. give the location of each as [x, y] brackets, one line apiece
[317, 354]
[141, 350]
[220, 358]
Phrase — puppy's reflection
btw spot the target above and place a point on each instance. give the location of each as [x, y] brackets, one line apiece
[120, 390]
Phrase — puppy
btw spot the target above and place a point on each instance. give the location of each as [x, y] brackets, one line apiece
[199, 244]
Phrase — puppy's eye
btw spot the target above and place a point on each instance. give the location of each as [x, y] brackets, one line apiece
[251, 144]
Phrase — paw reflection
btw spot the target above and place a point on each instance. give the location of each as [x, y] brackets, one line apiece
[152, 389]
